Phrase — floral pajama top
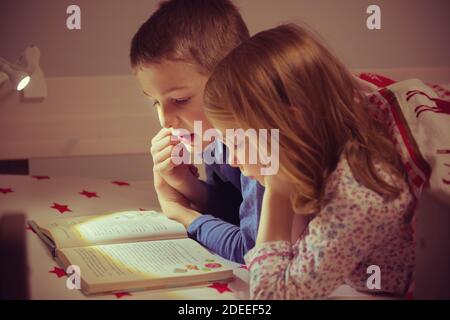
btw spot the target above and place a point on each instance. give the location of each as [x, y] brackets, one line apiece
[356, 228]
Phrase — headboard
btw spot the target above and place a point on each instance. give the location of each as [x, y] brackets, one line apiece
[81, 116]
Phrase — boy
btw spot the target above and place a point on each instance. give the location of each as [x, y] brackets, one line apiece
[172, 54]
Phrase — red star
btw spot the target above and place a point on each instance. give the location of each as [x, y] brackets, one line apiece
[89, 194]
[243, 267]
[41, 177]
[30, 228]
[60, 207]
[220, 287]
[58, 271]
[120, 183]
[121, 294]
[6, 190]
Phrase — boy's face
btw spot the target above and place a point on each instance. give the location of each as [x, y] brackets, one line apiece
[175, 89]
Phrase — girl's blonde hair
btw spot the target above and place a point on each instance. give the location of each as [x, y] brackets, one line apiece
[284, 78]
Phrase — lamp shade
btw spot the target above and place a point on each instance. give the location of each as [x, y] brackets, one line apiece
[18, 78]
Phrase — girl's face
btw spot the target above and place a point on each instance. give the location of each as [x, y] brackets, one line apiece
[175, 90]
[240, 155]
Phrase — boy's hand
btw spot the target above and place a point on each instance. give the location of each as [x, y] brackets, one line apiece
[173, 204]
[182, 178]
[161, 150]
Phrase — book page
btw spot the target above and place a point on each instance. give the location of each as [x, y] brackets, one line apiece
[131, 262]
[126, 226]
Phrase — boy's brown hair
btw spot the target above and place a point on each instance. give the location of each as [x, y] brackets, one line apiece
[196, 31]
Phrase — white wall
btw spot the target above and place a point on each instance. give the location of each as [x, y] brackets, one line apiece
[414, 33]
[411, 30]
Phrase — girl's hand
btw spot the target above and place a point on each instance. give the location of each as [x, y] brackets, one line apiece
[278, 220]
[276, 214]
[278, 183]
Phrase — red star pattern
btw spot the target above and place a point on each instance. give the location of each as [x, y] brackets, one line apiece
[121, 294]
[220, 287]
[120, 183]
[6, 190]
[41, 177]
[89, 194]
[61, 207]
[58, 271]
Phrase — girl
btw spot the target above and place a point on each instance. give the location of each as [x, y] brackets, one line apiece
[338, 171]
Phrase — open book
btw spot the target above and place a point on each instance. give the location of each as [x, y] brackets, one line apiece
[129, 250]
